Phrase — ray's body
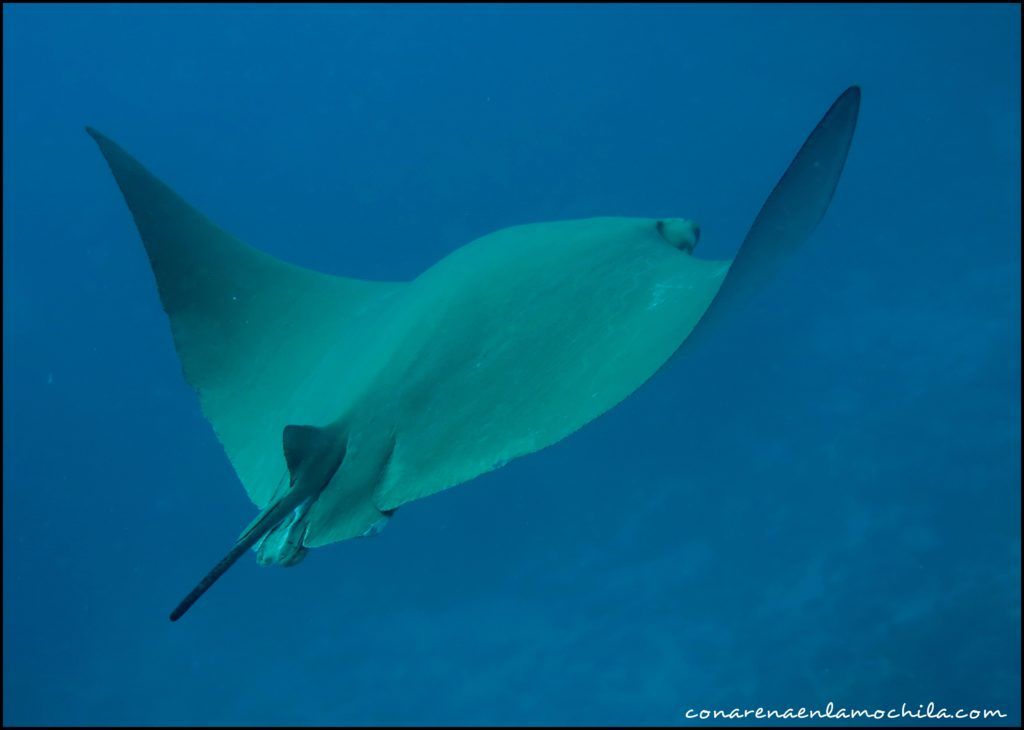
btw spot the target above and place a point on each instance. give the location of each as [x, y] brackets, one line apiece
[339, 400]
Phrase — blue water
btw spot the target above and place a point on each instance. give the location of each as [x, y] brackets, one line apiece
[820, 505]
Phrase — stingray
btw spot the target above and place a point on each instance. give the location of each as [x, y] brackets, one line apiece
[339, 400]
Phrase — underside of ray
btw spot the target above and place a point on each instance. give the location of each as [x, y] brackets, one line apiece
[251, 331]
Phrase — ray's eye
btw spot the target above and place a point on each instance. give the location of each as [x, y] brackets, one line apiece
[679, 232]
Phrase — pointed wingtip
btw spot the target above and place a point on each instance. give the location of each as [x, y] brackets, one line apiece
[108, 148]
[847, 105]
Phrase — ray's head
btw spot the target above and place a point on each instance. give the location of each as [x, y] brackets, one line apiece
[681, 233]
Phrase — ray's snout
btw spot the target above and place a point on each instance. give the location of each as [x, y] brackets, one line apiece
[680, 232]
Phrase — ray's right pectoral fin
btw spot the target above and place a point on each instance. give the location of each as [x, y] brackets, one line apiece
[789, 215]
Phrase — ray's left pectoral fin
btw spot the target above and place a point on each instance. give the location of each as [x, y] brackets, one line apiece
[245, 325]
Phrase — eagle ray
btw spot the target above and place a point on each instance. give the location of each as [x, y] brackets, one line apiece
[339, 400]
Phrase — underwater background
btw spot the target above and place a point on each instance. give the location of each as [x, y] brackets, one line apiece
[821, 504]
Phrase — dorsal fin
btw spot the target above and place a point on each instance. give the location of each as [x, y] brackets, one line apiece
[249, 329]
[300, 443]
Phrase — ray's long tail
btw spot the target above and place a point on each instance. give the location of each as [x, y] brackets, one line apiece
[270, 518]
